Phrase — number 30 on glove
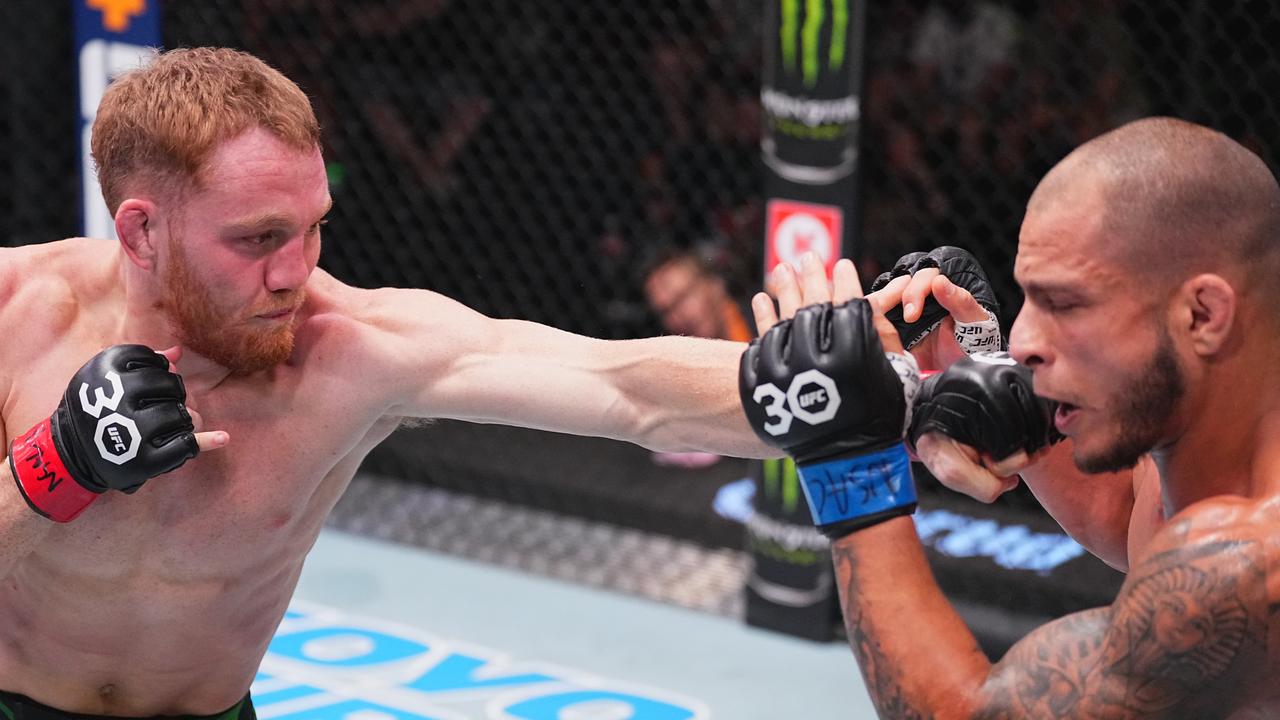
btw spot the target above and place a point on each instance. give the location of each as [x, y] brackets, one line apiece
[821, 388]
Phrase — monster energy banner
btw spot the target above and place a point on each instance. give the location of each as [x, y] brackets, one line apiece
[812, 81]
[791, 588]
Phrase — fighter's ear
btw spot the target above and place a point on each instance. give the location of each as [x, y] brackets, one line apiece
[1209, 305]
[136, 226]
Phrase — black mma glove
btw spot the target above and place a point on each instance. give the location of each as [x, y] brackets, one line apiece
[986, 401]
[961, 268]
[121, 422]
[822, 388]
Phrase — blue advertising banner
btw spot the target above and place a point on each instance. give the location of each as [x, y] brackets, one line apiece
[111, 36]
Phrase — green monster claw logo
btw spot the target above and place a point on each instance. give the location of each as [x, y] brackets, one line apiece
[807, 39]
[780, 478]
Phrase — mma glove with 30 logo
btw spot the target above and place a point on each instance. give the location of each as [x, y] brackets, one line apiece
[986, 401]
[822, 388]
[121, 422]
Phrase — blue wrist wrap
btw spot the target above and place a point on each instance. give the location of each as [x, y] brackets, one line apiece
[861, 486]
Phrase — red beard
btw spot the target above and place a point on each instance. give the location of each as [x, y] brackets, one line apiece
[216, 333]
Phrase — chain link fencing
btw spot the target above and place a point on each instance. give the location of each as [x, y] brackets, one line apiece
[526, 158]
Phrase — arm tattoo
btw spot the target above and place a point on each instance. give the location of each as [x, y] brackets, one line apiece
[1174, 638]
[879, 672]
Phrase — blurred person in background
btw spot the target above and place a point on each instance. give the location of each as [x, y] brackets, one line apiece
[690, 298]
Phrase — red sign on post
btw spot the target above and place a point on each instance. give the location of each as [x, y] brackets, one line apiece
[795, 228]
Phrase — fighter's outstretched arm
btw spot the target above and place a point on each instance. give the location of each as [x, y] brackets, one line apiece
[1184, 638]
[666, 393]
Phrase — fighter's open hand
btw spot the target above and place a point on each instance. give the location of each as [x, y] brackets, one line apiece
[942, 305]
[809, 286]
[830, 385]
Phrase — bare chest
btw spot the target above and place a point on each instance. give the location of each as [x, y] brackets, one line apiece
[297, 436]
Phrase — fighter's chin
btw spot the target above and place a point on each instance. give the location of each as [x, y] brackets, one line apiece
[247, 353]
[1121, 454]
[262, 360]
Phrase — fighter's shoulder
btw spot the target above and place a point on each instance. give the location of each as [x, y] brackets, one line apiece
[38, 283]
[1224, 534]
[385, 309]
[30, 268]
[377, 321]
[1202, 592]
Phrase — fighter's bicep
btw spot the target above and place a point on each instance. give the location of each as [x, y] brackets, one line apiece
[1192, 612]
[456, 363]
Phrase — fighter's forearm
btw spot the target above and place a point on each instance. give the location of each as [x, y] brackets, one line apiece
[683, 394]
[21, 528]
[1094, 509]
[918, 658]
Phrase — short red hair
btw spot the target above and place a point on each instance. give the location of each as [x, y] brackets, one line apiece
[160, 123]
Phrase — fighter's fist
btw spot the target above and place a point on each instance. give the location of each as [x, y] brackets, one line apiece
[122, 421]
[822, 388]
[986, 401]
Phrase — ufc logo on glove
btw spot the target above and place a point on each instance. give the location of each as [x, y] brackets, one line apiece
[109, 434]
[812, 397]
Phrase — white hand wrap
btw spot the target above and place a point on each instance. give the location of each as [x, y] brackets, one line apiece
[980, 336]
[909, 373]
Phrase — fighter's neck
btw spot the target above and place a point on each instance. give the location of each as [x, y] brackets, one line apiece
[1231, 448]
[144, 321]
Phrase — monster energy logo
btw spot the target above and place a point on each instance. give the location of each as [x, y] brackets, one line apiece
[810, 113]
[793, 542]
[781, 479]
[802, 42]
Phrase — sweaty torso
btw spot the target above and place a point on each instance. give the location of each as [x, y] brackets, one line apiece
[163, 602]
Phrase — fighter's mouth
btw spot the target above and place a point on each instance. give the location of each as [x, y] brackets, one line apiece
[278, 314]
[1064, 416]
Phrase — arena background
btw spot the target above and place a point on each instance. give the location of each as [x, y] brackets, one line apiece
[526, 158]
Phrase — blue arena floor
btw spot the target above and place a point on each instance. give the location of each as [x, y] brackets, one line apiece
[380, 631]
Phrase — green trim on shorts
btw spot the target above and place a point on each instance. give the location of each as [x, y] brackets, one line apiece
[7, 712]
[231, 714]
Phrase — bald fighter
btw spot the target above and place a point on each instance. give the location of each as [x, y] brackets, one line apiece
[994, 435]
[144, 568]
[1148, 258]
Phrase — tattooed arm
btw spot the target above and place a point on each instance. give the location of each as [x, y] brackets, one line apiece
[1185, 638]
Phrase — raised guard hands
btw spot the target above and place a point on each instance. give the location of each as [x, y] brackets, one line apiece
[979, 422]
